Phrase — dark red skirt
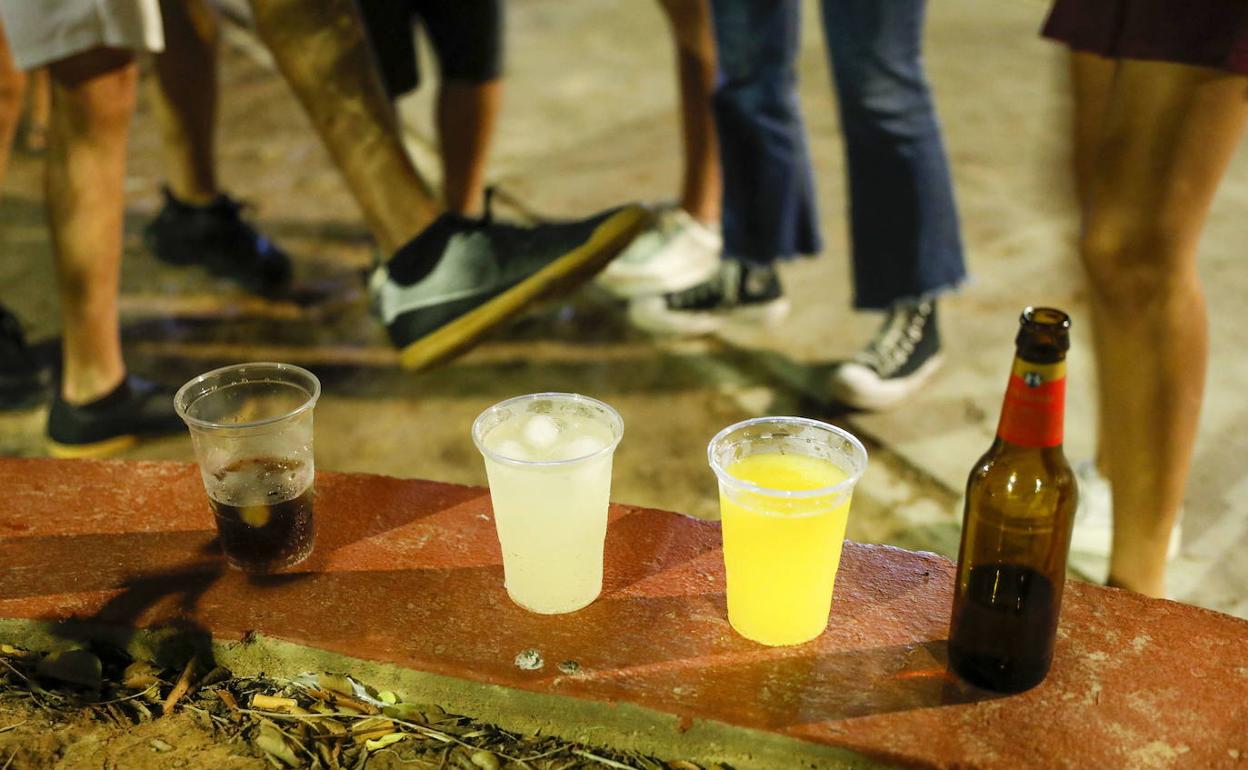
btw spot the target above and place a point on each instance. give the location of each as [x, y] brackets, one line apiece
[1208, 33]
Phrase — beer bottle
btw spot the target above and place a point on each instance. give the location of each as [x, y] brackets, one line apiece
[1020, 505]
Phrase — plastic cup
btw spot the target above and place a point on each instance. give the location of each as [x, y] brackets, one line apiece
[251, 426]
[548, 458]
[785, 485]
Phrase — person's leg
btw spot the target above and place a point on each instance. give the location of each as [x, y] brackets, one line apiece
[321, 51]
[904, 226]
[93, 97]
[466, 114]
[184, 96]
[768, 191]
[695, 71]
[38, 111]
[1092, 82]
[768, 201]
[467, 37]
[199, 224]
[12, 91]
[1168, 134]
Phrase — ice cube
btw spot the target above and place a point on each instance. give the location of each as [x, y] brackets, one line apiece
[541, 431]
[582, 446]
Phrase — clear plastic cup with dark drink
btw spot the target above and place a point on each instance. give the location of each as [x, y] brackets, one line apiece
[251, 425]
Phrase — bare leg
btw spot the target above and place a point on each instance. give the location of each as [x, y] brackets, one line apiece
[38, 110]
[93, 96]
[184, 93]
[323, 54]
[1092, 78]
[695, 67]
[12, 89]
[466, 115]
[1168, 134]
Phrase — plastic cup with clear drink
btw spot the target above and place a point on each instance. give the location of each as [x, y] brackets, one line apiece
[785, 485]
[548, 458]
[251, 426]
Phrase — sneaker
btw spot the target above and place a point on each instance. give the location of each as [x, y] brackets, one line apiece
[135, 409]
[735, 293]
[902, 357]
[461, 277]
[676, 252]
[216, 237]
[1093, 536]
[23, 381]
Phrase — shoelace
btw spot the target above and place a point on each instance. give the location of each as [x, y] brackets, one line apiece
[896, 340]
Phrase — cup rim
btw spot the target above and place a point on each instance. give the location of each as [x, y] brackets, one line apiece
[479, 439]
[741, 485]
[196, 422]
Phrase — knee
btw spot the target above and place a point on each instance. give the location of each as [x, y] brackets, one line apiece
[12, 90]
[1130, 265]
[896, 104]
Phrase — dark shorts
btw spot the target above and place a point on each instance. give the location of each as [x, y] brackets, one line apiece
[467, 39]
[1207, 33]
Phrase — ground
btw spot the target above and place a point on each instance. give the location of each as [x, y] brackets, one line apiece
[589, 121]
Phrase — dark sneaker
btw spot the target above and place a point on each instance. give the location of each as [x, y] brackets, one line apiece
[737, 293]
[903, 356]
[136, 409]
[23, 381]
[462, 277]
[216, 237]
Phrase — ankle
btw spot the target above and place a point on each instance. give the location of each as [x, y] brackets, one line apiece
[83, 388]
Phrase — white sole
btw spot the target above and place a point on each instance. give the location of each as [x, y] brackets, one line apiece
[700, 324]
[883, 394]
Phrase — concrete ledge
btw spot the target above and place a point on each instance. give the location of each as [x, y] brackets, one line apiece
[407, 577]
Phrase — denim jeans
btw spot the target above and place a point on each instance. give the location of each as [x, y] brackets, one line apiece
[903, 220]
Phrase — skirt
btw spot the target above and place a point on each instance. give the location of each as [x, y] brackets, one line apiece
[1206, 33]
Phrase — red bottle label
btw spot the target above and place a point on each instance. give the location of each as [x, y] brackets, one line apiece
[1035, 405]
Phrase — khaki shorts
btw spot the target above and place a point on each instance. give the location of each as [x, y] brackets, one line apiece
[44, 31]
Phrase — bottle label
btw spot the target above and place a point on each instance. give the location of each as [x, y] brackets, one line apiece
[1035, 405]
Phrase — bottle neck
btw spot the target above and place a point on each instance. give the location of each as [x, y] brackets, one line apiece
[1035, 404]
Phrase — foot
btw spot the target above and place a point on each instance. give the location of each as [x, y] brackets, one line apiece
[461, 277]
[23, 381]
[735, 293]
[1093, 536]
[136, 409]
[218, 238]
[902, 357]
[676, 252]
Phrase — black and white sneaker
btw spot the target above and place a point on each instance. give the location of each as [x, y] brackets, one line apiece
[902, 357]
[23, 380]
[218, 238]
[461, 277]
[737, 293]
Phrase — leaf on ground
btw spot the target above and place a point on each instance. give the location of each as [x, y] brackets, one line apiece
[384, 741]
[272, 742]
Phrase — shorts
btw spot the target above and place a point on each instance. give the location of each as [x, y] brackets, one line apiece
[467, 38]
[1207, 33]
[46, 31]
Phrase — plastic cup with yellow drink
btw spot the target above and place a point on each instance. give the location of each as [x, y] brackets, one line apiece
[785, 485]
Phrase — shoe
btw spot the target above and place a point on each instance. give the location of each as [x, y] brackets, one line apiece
[461, 277]
[23, 381]
[902, 357]
[216, 237]
[735, 293]
[677, 252]
[135, 409]
[1093, 535]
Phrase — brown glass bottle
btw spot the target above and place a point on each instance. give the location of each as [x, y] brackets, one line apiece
[1020, 506]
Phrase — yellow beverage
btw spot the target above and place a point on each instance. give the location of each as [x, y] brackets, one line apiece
[781, 554]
